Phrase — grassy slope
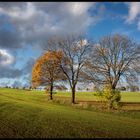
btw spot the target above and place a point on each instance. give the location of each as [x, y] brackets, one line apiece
[31, 115]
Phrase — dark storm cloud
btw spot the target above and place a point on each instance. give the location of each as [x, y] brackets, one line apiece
[8, 72]
[9, 39]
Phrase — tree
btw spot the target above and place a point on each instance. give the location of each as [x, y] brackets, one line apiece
[122, 88]
[46, 70]
[113, 58]
[75, 53]
[23, 88]
[134, 88]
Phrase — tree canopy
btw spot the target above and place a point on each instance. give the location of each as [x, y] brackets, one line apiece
[47, 71]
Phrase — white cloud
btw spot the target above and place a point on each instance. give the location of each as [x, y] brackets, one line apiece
[134, 11]
[31, 23]
[82, 43]
[36, 21]
[17, 12]
[5, 58]
[77, 8]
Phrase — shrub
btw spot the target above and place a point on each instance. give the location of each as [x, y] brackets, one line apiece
[98, 93]
[112, 96]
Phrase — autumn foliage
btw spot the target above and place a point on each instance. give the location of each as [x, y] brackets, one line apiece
[47, 71]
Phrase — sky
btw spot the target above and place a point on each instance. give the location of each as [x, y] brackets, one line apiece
[26, 26]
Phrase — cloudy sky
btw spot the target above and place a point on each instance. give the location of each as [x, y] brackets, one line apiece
[25, 27]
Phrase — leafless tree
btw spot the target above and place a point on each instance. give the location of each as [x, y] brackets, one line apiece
[75, 53]
[113, 58]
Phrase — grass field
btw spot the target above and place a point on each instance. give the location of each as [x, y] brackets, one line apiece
[126, 96]
[25, 114]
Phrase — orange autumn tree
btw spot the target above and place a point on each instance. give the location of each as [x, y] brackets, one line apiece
[47, 71]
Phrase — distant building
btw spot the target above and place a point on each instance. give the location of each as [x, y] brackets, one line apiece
[42, 88]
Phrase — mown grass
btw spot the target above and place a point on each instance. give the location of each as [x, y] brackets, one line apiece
[125, 96]
[25, 114]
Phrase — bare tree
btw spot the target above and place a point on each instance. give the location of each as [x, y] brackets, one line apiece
[75, 53]
[113, 58]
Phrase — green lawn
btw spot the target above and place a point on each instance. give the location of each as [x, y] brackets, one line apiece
[25, 114]
[125, 96]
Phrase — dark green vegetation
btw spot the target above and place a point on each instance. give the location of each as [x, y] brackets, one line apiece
[30, 114]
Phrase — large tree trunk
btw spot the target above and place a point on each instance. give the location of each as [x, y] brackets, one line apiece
[73, 94]
[51, 92]
[114, 86]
